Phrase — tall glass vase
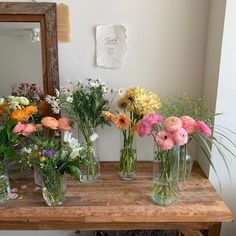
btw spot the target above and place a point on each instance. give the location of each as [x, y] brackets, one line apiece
[165, 176]
[54, 188]
[5, 191]
[91, 167]
[128, 156]
[185, 165]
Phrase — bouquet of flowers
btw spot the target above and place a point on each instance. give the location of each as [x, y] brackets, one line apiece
[201, 118]
[84, 104]
[135, 103]
[54, 159]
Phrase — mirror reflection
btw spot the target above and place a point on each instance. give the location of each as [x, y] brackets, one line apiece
[21, 59]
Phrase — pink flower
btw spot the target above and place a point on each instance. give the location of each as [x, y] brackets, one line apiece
[18, 128]
[164, 140]
[172, 124]
[144, 129]
[203, 128]
[28, 130]
[153, 119]
[180, 136]
[189, 124]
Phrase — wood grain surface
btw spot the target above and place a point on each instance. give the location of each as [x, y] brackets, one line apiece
[112, 203]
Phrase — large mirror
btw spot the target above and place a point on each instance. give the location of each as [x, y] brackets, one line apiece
[28, 46]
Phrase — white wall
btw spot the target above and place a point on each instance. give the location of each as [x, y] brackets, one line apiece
[226, 104]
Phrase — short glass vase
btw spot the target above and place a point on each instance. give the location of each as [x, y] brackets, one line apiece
[54, 189]
[5, 191]
[128, 156]
[165, 176]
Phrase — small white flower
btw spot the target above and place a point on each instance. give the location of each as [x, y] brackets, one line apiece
[1, 101]
[69, 99]
[27, 150]
[57, 93]
[93, 137]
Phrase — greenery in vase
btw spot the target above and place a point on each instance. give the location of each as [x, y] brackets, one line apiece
[84, 104]
[135, 103]
[165, 187]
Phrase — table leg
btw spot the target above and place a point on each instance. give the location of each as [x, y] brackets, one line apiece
[214, 229]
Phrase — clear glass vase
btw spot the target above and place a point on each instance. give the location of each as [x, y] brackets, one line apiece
[91, 168]
[128, 156]
[5, 191]
[54, 189]
[37, 175]
[185, 165]
[165, 176]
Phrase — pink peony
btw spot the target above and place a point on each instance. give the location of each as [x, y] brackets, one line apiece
[189, 124]
[164, 140]
[28, 130]
[18, 128]
[144, 129]
[180, 136]
[203, 128]
[172, 124]
[153, 119]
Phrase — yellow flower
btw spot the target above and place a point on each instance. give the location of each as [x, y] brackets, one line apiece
[134, 93]
[122, 121]
[108, 116]
[42, 158]
[148, 103]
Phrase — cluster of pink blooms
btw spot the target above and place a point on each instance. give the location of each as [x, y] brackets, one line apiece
[171, 131]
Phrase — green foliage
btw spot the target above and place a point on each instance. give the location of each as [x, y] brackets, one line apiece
[187, 105]
[7, 141]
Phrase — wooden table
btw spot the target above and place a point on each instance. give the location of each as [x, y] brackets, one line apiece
[113, 204]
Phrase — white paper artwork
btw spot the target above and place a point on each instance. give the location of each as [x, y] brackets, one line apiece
[111, 45]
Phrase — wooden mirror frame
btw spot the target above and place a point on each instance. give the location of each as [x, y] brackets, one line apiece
[45, 14]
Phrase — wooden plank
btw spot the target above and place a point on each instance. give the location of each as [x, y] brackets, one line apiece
[112, 202]
[214, 229]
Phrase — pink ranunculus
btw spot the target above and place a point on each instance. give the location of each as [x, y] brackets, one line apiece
[180, 136]
[144, 129]
[18, 128]
[28, 130]
[164, 140]
[153, 119]
[203, 128]
[189, 124]
[172, 124]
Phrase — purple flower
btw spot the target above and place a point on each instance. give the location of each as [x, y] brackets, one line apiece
[48, 153]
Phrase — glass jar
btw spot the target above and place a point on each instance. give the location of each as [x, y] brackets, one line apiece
[54, 189]
[165, 176]
[5, 191]
[91, 168]
[185, 165]
[128, 156]
[37, 175]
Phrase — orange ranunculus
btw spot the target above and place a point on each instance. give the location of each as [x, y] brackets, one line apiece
[3, 108]
[50, 122]
[64, 124]
[19, 115]
[30, 110]
[122, 121]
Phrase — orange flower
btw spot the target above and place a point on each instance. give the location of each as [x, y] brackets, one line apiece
[123, 103]
[122, 121]
[64, 124]
[30, 110]
[108, 116]
[19, 115]
[3, 108]
[50, 122]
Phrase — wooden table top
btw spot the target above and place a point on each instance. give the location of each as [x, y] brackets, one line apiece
[112, 203]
